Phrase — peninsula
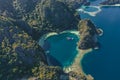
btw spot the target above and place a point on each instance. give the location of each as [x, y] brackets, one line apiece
[88, 34]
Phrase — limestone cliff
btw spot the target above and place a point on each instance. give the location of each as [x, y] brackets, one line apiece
[88, 35]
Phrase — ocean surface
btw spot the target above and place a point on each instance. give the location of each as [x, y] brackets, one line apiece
[61, 48]
[104, 64]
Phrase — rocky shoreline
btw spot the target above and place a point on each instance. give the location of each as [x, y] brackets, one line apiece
[88, 35]
[110, 2]
[76, 68]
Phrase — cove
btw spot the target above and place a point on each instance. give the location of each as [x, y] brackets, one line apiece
[90, 9]
[104, 64]
[61, 48]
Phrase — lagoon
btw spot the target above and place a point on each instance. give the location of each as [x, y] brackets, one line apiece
[62, 48]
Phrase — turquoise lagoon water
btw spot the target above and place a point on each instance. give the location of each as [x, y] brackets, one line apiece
[104, 64]
[62, 50]
[89, 9]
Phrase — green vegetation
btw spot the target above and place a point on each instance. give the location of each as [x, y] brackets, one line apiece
[88, 35]
[22, 22]
[19, 54]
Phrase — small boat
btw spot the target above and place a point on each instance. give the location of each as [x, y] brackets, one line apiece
[69, 38]
[100, 31]
[47, 52]
[96, 48]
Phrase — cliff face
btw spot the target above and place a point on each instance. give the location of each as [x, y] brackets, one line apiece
[110, 2]
[74, 4]
[88, 34]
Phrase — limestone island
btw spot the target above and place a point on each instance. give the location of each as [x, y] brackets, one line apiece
[88, 35]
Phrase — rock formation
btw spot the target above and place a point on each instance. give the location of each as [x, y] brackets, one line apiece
[110, 2]
[88, 35]
[74, 4]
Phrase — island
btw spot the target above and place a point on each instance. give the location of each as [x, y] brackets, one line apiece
[24, 22]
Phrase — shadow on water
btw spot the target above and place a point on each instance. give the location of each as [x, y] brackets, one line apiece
[61, 50]
[46, 45]
[53, 60]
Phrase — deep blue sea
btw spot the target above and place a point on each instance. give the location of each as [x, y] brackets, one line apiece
[104, 64]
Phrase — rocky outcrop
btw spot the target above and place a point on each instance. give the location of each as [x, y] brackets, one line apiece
[76, 76]
[88, 35]
[74, 4]
[110, 2]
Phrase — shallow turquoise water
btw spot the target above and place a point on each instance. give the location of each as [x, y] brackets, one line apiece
[104, 64]
[90, 9]
[61, 49]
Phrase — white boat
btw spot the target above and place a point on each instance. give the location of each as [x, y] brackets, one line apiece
[69, 38]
